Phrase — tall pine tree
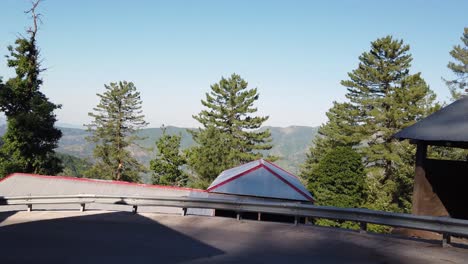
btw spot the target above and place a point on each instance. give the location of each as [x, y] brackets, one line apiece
[168, 164]
[383, 98]
[117, 118]
[229, 117]
[30, 139]
[459, 67]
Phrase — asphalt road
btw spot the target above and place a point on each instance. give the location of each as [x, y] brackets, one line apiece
[119, 237]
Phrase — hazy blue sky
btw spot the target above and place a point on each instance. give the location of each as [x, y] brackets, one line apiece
[294, 52]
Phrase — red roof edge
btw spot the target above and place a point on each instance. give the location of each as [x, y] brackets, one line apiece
[278, 167]
[310, 198]
[235, 177]
[69, 178]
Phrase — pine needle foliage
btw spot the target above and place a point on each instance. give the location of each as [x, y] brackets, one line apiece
[229, 135]
[31, 139]
[116, 119]
[168, 164]
[383, 97]
[459, 67]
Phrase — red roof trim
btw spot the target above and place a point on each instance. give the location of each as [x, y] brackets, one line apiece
[235, 177]
[102, 181]
[289, 184]
[278, 167]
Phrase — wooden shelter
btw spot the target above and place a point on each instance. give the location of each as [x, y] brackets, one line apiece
[440, 186]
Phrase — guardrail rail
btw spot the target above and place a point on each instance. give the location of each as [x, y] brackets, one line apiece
[444, 225]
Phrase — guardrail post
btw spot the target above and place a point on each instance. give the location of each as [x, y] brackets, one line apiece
[29, 207]
[362, 227]
[135, 209]
[239, 216]
[82, 207]
[184, 211]
[446, 240]
[259, 216]
[296, 220]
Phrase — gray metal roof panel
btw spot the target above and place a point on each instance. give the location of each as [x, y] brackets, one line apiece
[262, 179]
[449, 124]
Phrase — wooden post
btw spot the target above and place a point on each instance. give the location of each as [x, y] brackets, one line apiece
[135, 209]
[184, 211]
[239, 216]
[296, 220]
[82, 207]
[29, 207]
[425, 201]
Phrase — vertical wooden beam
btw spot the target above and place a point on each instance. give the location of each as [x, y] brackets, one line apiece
[419, 178]
[425, 201]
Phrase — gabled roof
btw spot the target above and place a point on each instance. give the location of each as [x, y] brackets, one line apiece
[263, 179]
[448, 125]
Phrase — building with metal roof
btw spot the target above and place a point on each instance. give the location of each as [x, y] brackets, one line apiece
[440, 185]
[24, 184]
[446, 127]
[261, 178]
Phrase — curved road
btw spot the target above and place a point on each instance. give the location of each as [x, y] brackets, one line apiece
[119, 237]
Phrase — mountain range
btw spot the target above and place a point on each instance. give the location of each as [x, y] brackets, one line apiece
[290, 144]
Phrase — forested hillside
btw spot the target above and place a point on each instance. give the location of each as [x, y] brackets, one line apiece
[289, 143]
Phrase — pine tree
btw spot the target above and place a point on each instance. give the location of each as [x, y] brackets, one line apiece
[459, 53]
[389, 99]
[229, 117]
[30, 139]
[117, 118]
[338, 180]
[338, 131]
[382, 98]
[167, 166]
[210, 156]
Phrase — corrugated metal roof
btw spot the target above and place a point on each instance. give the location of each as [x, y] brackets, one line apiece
[449, 124]
[262, 179]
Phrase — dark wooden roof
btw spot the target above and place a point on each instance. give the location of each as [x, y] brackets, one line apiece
[446, 127]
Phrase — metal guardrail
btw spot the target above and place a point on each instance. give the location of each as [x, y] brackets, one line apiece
[444, 225]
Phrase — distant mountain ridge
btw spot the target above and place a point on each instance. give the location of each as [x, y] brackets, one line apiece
[289, 143]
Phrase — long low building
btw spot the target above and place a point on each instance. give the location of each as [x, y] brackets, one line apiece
[254, 181]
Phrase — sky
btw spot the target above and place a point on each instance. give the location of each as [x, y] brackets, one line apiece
[294, 52]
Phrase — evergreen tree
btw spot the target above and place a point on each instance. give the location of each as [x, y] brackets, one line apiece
[338, 131]
[338, 180]
[117, 118]
[383, 98]
[167, 166]
[229, 117]
[31, 137]
[210, 156]
[460, 67]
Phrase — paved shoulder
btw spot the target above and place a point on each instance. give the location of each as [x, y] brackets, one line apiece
[116, 237]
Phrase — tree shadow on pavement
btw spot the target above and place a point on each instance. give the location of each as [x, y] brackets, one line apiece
[116, 237]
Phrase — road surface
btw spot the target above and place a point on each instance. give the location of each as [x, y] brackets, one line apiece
[121, 237]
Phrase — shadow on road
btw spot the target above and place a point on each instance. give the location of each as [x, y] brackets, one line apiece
[5, 215]
[102, 238]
